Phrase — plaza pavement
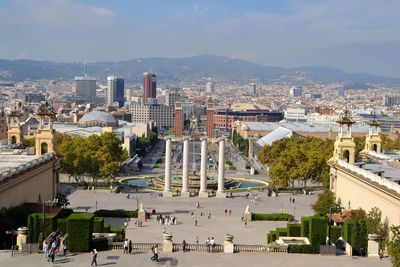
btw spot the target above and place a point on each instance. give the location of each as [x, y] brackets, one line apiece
[116, 258]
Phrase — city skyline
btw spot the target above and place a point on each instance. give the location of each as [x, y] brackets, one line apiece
[285, 33]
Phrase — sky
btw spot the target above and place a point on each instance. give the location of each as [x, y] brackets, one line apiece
[352, 35]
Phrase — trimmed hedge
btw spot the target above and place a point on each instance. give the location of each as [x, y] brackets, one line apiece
[100, 244]
[117, 213]
[317, 233]
[119, 231]
[281, 232]
[35, 224]
[347, 228]
[305, 226]
[359, 237]
[62, 224]
[294, 229]
[64, 213]
[271, 217]
[80, 229]
[268, 238]
[307, 249]
[107, 228]
[98, 225]
[273, 236]
[336, 231]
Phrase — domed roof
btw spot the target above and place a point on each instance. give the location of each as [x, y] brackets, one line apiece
[98, 116]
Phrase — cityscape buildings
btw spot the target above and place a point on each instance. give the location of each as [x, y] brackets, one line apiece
[115, 90]
[149, 86]
[85, 87]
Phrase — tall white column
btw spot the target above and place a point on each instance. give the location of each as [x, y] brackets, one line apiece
[203, 169]
[185, 174]
[221, 169]
[167, 177]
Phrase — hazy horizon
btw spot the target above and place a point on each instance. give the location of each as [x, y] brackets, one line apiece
[354, 36]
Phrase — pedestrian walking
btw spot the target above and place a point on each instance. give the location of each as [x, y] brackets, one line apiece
[184, 245]
[293, 200]
[208, 244]
[212, 244]
[94, 259]
[226, 212]
[65, 248]
[130, 246]
[197, 241]
[290, 199]
[195, 222]
[245, 224]
[209, 215]
[230, 212]
[126, 246]
[155, 253]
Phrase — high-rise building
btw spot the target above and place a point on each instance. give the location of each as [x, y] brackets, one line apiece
[253, 88]
[178, 119]
[85, 87]
[149, 86]
[162, 115]
[391, 100]
[296, 92]
[209, 87]
[171, 97]
[115, 90]
[210, 118]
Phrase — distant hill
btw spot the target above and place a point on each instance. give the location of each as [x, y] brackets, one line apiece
[183, 69]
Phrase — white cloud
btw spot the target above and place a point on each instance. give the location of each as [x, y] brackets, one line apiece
[102, 11]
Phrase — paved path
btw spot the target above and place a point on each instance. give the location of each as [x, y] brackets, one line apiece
[114, 258]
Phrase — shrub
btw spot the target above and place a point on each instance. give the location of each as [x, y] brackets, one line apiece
[62, 224]
[308, 249]
[11, 218]
[336, 231]
[64, 213]
[159, 161]
[100, 244]
[273, 236]
[117, 213]
[80, 227]
[347, 228]
[106, 228]
[317, 233]
[271, 217]
[119, 231]
[281, 232]
[268, 238]
[359, 237]
[294, 229]
[155, 166]
[35, 224]
[305, 226]
[98, 225]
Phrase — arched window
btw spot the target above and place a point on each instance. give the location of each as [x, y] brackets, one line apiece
[347, 155]
[13, 139]
[44, 148]
[375, 147]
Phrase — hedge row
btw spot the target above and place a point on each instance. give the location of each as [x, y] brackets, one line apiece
[100, 244]
[271, 217]
[98, 225]
[317, 231]
[107, 228]
[35, 224]
[294, 229]
[281, 232]
[336, 232]
[62, 224]
[307, 249]
[117, 213]
[305, 225]
[120, 233]
[80, 229]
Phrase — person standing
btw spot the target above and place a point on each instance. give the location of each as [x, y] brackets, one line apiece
[183, 245]
[208, 244]
[197, 241]
[65, 248]
[130, 246]
[94, 259]
[46, 250]
[212, 244]
[195, 222]
[126, 246]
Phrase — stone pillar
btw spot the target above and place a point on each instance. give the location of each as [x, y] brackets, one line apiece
[22, 237]
[228, 244]
[167, 177]
[185, 175]
[251, 148]
[373, 246]
[221, 169]
[203, 169]
[167, 244]
[247, 214]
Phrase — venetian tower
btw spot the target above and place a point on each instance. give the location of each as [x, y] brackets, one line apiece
[45, 138]
[344, 147]
[15, 135]
[373, 142]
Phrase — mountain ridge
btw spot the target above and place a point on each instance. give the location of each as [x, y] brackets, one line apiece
[183, 69]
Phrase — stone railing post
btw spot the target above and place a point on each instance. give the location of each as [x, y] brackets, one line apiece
[167, 244]
[228, 244]
[22, 237]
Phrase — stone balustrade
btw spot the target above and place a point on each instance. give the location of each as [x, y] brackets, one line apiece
[146, 247]
[260, 248]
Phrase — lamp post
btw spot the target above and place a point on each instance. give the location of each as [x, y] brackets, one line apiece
[44, 220]
[330, 221]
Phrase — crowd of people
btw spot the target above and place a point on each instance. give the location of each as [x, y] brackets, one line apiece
[166, 220]
[52, 249]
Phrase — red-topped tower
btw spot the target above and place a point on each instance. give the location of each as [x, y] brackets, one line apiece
[149, 86]
[210, 118]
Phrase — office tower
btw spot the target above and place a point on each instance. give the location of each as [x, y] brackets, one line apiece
[296, 92]
[115, 90]
[85, 87]
[209, 87]
[171, 97]
[340, 90]
[253, 88]
[149, 86]
[391, 101]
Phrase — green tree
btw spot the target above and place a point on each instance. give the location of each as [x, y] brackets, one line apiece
[394, 245]
[30, 142]
[325, 200]
[374, 218]
[142, 143]
[389, 144]
[358, 214]
[360, 145]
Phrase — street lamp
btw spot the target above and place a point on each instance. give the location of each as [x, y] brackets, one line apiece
[44, 220]
[330, 220]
